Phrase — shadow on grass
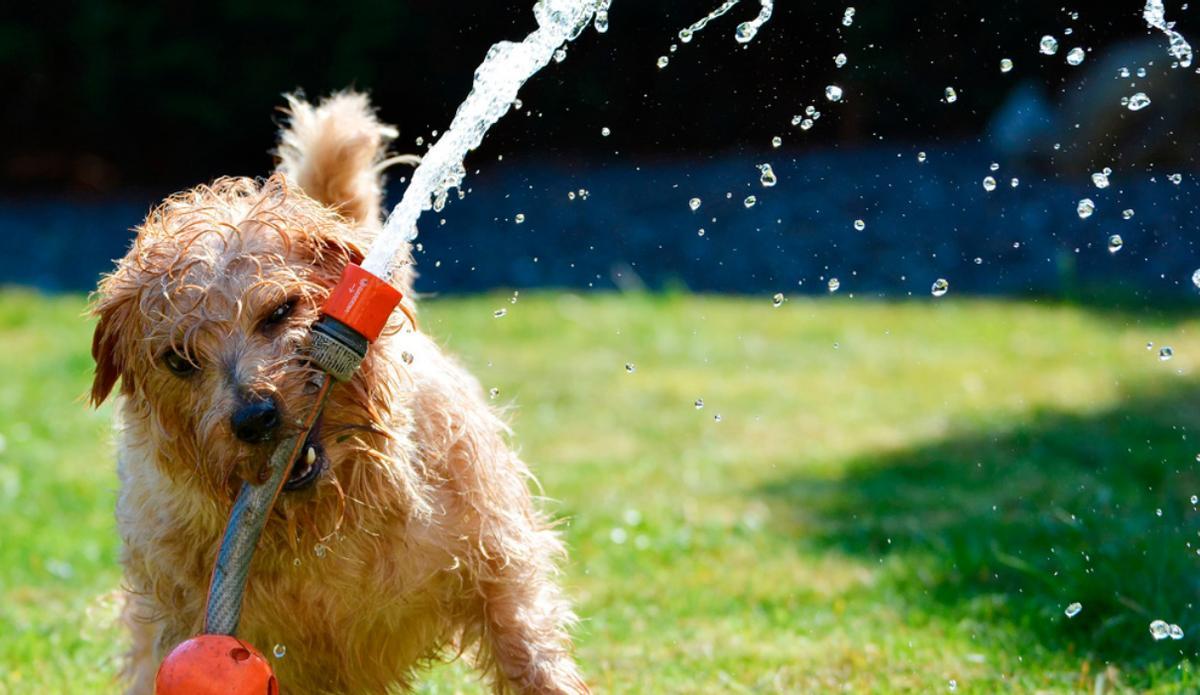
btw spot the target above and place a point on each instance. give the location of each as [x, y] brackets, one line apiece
[1006, 528]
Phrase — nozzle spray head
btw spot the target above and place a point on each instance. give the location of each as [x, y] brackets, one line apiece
[351, 319]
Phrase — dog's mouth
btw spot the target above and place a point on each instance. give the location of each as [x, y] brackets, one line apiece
[311, 463]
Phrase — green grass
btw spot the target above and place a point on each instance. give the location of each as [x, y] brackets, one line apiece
[896, 495]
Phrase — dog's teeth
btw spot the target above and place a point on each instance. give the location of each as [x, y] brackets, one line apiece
[310, 456]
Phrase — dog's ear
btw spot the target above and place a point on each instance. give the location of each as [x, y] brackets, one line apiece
[332, 254]
[106, 348]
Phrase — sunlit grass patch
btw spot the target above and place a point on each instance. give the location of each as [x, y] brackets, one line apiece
[896, 495]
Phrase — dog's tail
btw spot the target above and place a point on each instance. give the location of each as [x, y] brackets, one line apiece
[336, 152]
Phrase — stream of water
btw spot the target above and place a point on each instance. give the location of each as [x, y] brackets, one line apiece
[507, 66]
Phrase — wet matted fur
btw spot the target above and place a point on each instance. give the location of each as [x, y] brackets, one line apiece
[419, 540]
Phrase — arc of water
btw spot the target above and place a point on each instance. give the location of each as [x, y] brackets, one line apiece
[507, 66]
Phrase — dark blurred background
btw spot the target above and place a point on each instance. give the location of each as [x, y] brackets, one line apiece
[110, 106]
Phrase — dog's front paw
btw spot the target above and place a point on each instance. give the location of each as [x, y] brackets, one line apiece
[551, 676]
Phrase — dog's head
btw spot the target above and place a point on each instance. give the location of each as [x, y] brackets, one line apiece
[203, 323]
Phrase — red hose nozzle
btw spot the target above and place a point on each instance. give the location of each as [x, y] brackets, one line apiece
[362, 301]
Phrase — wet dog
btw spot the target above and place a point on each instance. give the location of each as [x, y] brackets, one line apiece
[406, 532]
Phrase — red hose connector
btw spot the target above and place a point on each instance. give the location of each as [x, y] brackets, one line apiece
[352, 318]
[362, 301]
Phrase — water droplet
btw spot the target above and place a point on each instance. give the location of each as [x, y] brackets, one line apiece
[1196, 278]
[1100, 179]
[921, 157]
[1150, 346]
[994, 166]
[700, 404]
[767, 179]
[694, 204]
[499, 313]
[630, 368]
[745, 32]
[806, 124]
[717, 417]
[1073, 609]
[778, 300]
[833, 92]
[1048, 45]
[978, 260]
[493, 392]
[601, 22]
[989, 184]
[618, 535]
[750, 201]
[839, 60]
[560, 55]
[1159, 630]
[319, 550]
[685, 35]
[662, 62]
[1123, 72]
[1137, 102]
[1075, 56]
[700, 232]
[519, 218]
[1195, 499]
[1006, 65]
[1175, 178]
[1115, 242]
[848, 17]
[1014, 182]
[1175, 631]
[940, 287]
[1165, 353]
[605, 131]
[407, 357]
[953, 685]
[279, 651]
[1085, 208]
[776, 142]
[834, 284]
[951, 95]
[860, 225]
[1141, 72]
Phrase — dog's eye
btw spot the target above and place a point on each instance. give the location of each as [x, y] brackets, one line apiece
[280, 313]
[178, 364]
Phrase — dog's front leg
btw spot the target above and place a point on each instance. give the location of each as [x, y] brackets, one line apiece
[526, 619]
[154, 632]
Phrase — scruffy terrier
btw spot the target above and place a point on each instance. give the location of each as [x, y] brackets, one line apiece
[407, 532]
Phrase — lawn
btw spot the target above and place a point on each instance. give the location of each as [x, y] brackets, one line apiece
[875, 497]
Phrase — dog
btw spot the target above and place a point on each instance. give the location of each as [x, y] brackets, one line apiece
[406, 533]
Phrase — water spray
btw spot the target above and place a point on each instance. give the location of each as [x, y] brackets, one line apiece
[353, 316]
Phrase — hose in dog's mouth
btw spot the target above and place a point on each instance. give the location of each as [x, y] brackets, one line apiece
[249, 514]
[311, 463]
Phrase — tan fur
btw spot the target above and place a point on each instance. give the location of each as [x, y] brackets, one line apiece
[420, 542]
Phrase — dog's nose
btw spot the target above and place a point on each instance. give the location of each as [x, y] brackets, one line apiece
[256, 421]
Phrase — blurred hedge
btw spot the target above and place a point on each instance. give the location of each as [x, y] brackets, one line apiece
[100, 94]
